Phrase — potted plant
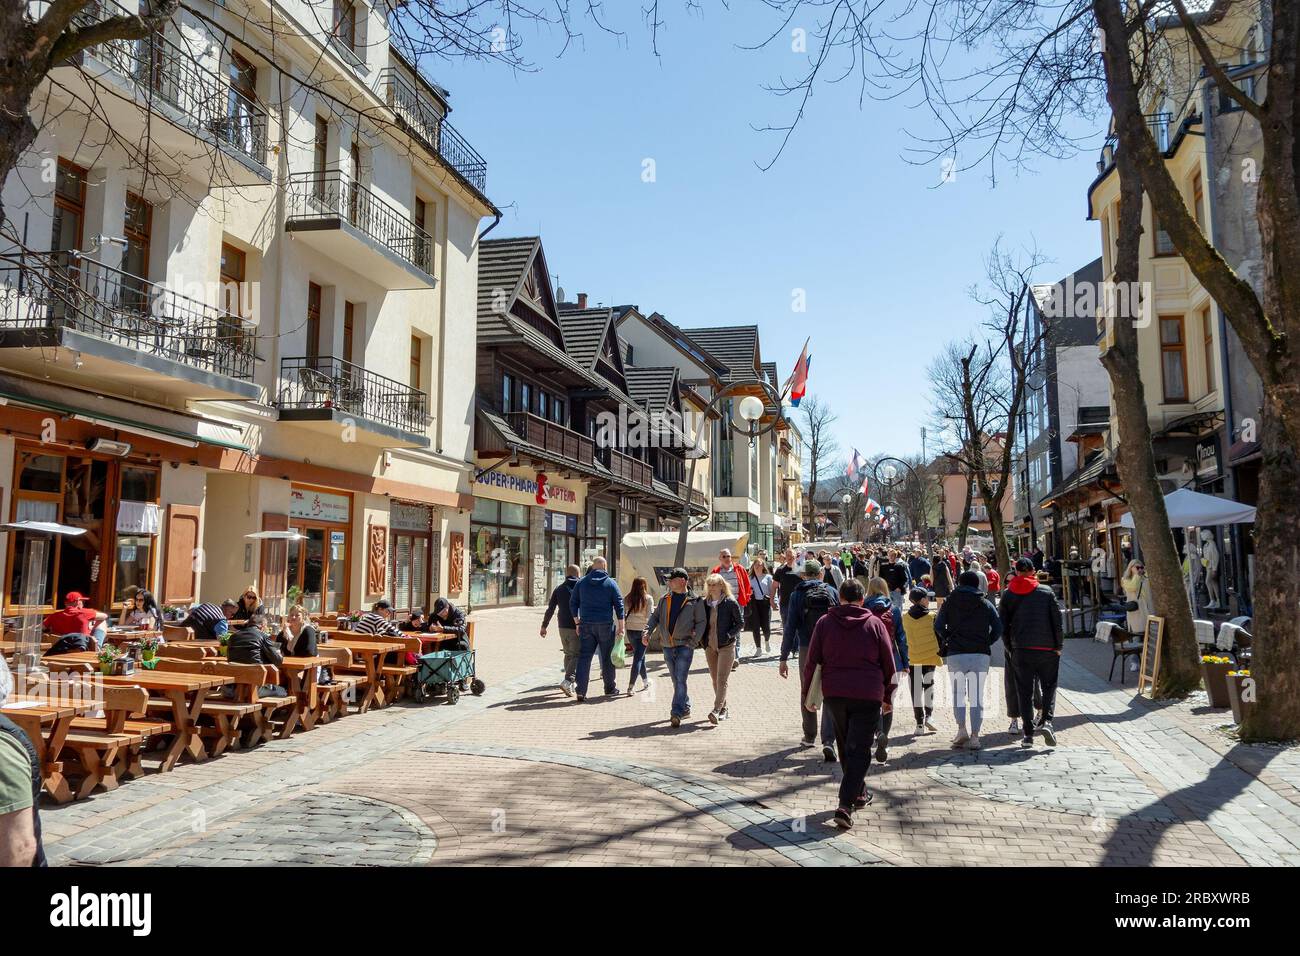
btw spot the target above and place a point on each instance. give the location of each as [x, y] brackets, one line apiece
[222, 644]
[1214, 674]
[149, 648]
[107, 655]
[293, 595]
[1241, 694]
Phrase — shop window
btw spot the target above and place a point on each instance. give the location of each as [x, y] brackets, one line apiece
[139, 523]
[499, 553]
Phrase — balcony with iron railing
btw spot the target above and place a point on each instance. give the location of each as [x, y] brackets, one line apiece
[321, 390]
[552, 437]
[168, 78]
[124, 328]
[423, 119]
[339, 216]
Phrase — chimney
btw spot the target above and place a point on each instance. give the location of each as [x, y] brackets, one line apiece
[582, 300]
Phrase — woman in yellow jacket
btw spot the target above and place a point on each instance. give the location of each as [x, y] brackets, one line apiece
[923, 655]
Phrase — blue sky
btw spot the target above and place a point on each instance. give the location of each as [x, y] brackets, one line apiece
[886, 259]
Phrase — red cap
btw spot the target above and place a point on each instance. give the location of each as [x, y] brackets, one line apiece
[73, 596]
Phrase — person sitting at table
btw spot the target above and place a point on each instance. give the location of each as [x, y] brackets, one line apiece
[76, 618]
[378, 620]
[210, 622]
[140, 610]
[250, 645]
[415, 622]
[248, 604]
[449, 620]
[298, 636]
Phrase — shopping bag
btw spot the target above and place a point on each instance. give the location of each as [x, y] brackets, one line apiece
[814, 698]
[619, 656]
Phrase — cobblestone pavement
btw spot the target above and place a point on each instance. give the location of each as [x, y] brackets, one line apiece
[524, 775]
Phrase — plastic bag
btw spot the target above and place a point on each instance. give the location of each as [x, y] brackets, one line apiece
[619, 655]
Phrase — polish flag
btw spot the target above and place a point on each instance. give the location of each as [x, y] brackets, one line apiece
[797, 383]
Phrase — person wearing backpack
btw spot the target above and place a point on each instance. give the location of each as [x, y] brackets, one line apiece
[809, 603]
[967, 627]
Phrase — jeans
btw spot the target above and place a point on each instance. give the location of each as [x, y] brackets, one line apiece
[593, 638]
[760, 622]
[810, 719]
[571, 645]
[1009, 685]
[1037, 667]
[968, 673]
[638, 656]
[678, 660]
[855, 728]
[920, 681]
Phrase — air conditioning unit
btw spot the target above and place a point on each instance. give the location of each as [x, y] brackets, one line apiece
[105, 446]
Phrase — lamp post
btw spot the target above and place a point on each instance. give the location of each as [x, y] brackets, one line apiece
[845, 520]
[885, 466]
[750, 409]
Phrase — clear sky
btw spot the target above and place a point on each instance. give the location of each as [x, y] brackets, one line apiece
[885, 255]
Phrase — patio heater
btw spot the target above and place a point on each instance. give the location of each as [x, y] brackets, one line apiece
[277, 560]
[38, 545]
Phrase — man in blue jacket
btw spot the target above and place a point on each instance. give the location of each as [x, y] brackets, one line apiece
[595, 604]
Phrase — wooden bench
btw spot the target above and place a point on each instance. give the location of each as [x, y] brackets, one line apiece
[108, 748]
[397, 677]
[227, 714]
[333, 699]
[185, 651]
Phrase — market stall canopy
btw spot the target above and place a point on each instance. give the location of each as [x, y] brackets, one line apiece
[1191, 509]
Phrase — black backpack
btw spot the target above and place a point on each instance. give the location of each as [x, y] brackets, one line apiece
[69, 644]
[816, 602]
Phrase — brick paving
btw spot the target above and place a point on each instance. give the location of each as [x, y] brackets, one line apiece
[524, 775]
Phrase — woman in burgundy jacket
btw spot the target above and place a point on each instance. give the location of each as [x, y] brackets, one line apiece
[853, 650]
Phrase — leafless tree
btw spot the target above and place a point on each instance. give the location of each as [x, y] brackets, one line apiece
[820, 448]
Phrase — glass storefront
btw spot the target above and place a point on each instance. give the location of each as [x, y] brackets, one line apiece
[318, 562]
[499, 553]
[410, 528]
[599, 542]
[561, 545]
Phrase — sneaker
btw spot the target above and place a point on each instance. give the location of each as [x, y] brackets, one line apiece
[806, 742]
[735, 664]
[612, 693]
[1026, 742]
[974, 743]
[713, 717]
[920, 730]
[881, 753]
[828, 754]
[960, 740]
[1049, 733]
[581, 698]
[843, 819]
[724, 714]
[631, 689]
[645, 684]
[930, 728]
[767, 647]
[675, 720]
[1015, 726]
[566, 688]
[862, 801]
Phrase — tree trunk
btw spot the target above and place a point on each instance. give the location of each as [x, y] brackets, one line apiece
[964, 529]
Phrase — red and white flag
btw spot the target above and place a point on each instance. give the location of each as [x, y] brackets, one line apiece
[797, 383]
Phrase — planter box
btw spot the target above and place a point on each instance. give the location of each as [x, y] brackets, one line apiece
[1240, 708]
[1215, 677]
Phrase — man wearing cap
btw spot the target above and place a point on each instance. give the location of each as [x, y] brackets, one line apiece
[810, 601]
[76, 618]
[1031, 619]
[680, 619]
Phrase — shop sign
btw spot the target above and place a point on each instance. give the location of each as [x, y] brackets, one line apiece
[318, 505]
[562, 523]
[539, 488]
[403, 517]
[1207, 458]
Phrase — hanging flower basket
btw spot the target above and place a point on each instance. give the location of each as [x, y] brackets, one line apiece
[1241, 694]
[1214, 674]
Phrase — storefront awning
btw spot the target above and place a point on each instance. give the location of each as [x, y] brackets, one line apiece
[144, 420]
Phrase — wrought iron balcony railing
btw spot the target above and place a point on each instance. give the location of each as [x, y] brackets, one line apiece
[427, 123]
[554, 437]
[332, 195]
[163, 70]
[322, 382]
[69, 291]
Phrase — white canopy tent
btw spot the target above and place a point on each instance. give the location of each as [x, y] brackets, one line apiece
[1191, 509]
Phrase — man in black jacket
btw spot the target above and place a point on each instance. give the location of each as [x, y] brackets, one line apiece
[898, 577]
[1031, 617]
[250, 645]
[569, 643]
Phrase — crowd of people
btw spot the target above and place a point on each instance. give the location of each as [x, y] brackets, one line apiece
[857, 622]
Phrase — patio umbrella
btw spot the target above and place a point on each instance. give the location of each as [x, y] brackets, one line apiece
[1191, 509]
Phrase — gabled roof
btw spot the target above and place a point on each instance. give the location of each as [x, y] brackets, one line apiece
[674, 336]
[585, 332]
[737, 346]
[652, 388]
[508, 270]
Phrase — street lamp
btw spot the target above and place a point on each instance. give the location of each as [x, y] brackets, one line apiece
[884, 468]
[751, 409]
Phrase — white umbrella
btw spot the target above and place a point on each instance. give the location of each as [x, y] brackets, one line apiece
[1191, 509]
[43, 527]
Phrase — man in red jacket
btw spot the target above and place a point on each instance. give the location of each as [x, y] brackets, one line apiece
[734, 575]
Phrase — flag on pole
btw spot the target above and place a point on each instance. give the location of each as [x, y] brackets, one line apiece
[797, 383]
[872, 506]
[865, 479]
[855, 463]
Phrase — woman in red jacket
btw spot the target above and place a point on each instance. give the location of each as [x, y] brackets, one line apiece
[851, 650]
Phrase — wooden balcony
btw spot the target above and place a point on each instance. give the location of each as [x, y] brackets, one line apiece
[555, 438]
[626, 468]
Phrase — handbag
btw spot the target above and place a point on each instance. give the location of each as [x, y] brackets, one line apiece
[814, 698]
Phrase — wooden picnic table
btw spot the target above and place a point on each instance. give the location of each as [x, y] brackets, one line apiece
[46, 723]
[185, 693]
[79, 661]
[371, 649]
[300, 675]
